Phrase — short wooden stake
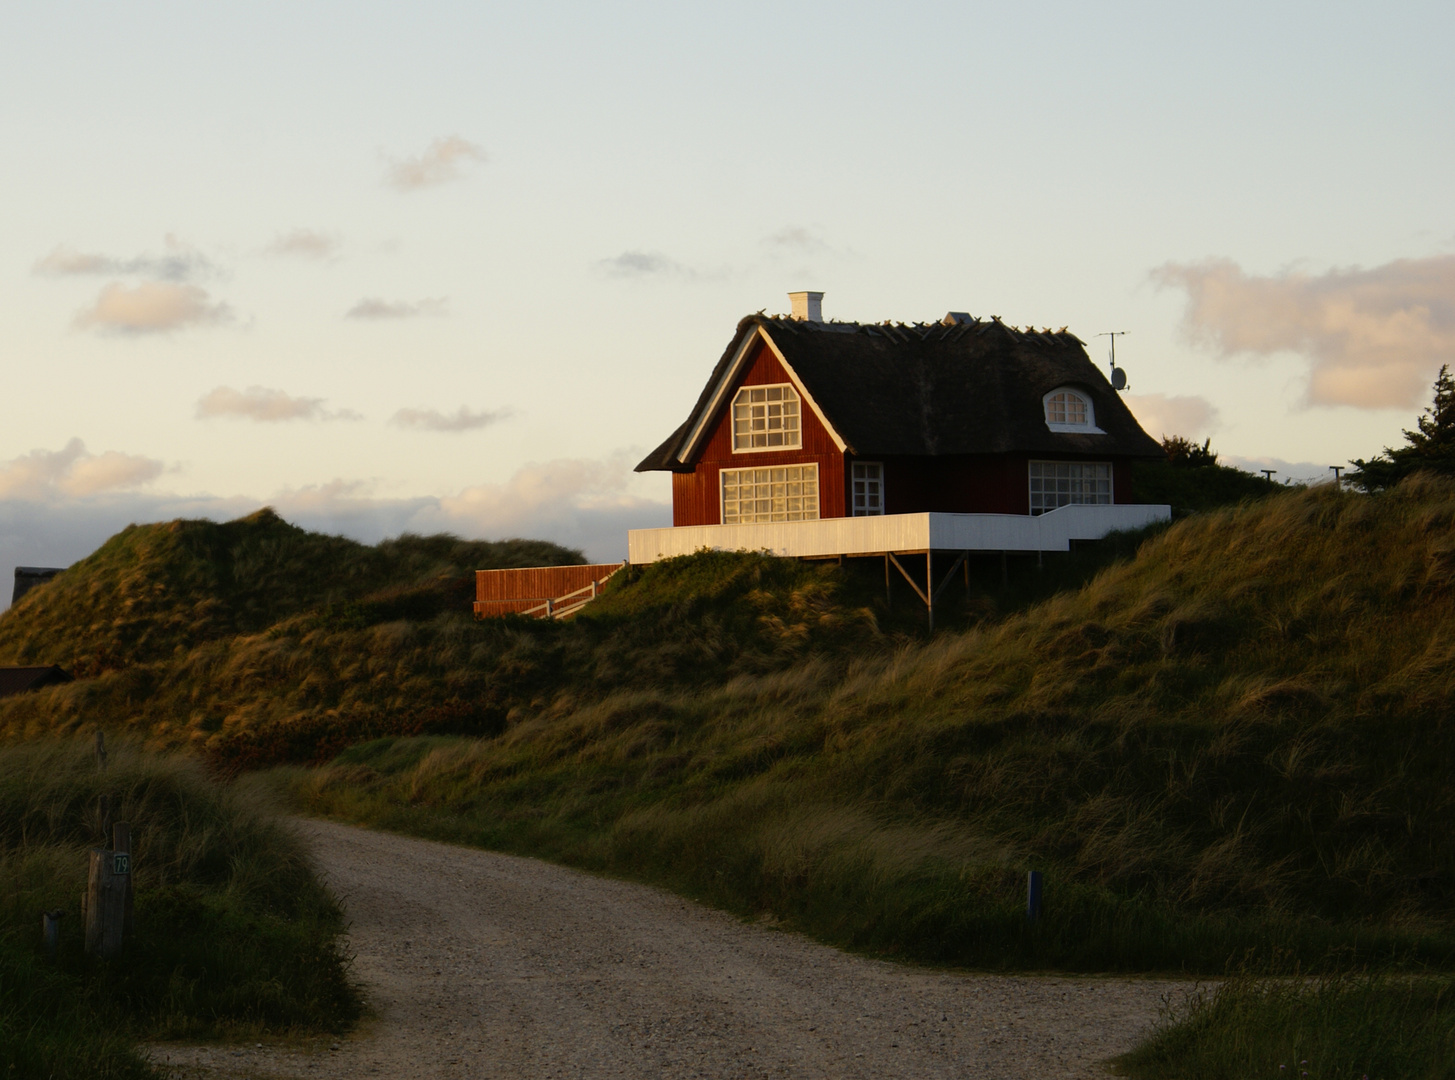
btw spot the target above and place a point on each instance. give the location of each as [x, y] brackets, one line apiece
[50, 932]
[121, 845]
[105, 900]
[1033, 895]
[100, 749]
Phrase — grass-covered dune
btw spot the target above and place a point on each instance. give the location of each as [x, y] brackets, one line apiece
[234, 933]
[1234, 737]
[1240, 738]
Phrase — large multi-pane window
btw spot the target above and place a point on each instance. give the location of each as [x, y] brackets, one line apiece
[1068, 483]
[868, 488]
[766, 418]
[786, 493]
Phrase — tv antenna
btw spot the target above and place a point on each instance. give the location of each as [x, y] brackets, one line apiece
[1118, 376]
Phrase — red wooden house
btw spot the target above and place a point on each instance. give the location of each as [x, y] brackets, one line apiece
[805, 420]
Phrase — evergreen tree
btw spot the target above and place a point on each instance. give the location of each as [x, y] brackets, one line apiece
[1431, 448]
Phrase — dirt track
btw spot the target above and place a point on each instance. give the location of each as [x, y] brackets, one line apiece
[486, 965]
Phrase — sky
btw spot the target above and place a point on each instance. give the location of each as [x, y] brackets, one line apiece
[458, 266]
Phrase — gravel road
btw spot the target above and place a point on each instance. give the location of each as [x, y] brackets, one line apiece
[485, 965]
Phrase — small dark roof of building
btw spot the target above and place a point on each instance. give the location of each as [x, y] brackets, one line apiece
[17, 680]
[958, 386]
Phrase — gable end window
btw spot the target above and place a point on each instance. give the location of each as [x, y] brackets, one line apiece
[787, 493]
[766, 418]
[1069, 483]
[868, 489]
[1070, 411]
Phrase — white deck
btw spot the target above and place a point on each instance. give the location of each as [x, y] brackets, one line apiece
[899, 533]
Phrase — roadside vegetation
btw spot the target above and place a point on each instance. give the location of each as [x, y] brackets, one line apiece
[1224, 743]
[1340, 1026]
[234, 934]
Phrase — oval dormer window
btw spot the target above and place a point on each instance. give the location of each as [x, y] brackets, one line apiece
[1070, 410]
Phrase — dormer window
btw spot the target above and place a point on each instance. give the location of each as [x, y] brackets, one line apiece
[1070, 411]
[766, 418]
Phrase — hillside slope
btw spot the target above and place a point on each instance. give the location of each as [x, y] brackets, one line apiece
[1240, 739]
[152, 589]
[1245, 721]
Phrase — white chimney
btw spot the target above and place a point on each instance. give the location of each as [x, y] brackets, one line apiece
[807, 305]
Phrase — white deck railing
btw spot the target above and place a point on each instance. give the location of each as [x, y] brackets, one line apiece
[899, 533]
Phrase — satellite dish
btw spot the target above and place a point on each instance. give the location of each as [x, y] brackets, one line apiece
[1118, 379]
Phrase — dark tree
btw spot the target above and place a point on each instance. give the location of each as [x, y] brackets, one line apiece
[1429, 449]
[1186, 454]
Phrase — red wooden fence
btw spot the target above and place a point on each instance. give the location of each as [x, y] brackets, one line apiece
[502, 592]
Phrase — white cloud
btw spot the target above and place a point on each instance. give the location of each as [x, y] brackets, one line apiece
[442, 161]
[643, 264]
[73, 471]
[265, 405]
[1372, 338]
[181, 262]
[434, 420]
[796, 240]
[152, 307]
[371, 307]
[1178, 414]
[305, 244]
[1285, 472]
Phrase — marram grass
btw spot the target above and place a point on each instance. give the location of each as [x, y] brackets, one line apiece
[234, 934]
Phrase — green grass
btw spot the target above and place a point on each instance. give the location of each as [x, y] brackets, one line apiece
[234, 933]
[1344, 1026]
[1235, 740]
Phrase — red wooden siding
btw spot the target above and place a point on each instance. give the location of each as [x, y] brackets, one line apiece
[696, 496]
[537, 583]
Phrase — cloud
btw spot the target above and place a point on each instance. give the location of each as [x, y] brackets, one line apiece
[796, 240]
[371, 307]
[1179, 414]
[643, 264]
[73, 471]
[1372, 338]
[1285, 472]
[305, 244]
[181, 262]
[442, 161]
[434, 420]
[152, 307]
[265, 406]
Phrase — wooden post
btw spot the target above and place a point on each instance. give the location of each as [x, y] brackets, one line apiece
[50, 932]
[1033, 895]
[930, 590]
[100, 749]
[121, 845]
[888, 596]
[104, 905]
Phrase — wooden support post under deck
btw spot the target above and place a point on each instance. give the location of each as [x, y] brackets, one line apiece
[930, 590]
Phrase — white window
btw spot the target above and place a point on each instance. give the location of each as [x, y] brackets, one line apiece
[1071, 411]
[766, 418]
[868, 491]
[1069, 483]
[787, 493]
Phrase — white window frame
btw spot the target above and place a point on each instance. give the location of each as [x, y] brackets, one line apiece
[790, 435]
[1073, 485]
[774, 485]
[873, 488]
[1048, 407]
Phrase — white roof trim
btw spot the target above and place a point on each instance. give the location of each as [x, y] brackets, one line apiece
[730, 378]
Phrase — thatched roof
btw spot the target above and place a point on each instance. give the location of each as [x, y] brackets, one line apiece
[960, 386]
